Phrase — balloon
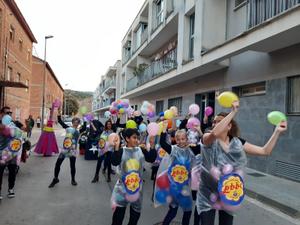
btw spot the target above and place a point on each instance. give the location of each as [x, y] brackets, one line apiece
[137, 113]
[18, 133]
[194, 109]
[70, 130]
[132, 164]
[130, 111]
[217, 206]
[168, 114]
[107, 114]
[213, 197]
[178, 122]
[114, 104]
[276, 117]
[6, 120]
[112, 137]
[226, 99]
[169, 124]
[227, 168]
[175, 190]
[144, 110]
[208, 111]
[215, 172]
[132, 198]
[174, 110]
[142, 127]
[8, 132]
[162, 196]
[185, 201]
[125, 105]
[162, 181]
[56, 103]
[89, 117]
[153, 129]
[151, 114]
[131, 124]
[122, 110]
[161, 114]
[83, 110]
[192, 122]
[119, 106]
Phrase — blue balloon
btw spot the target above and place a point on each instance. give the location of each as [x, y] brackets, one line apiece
[178, 122]
[185, 202]
[161, 196]
[70, 130]
[6, 120]
[175, 190]
[161, 114]
[142, 127]
[120, 106]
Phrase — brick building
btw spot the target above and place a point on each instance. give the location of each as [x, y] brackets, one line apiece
[16, 41]
[53, 88]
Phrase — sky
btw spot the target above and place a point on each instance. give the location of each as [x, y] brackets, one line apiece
[87, 36]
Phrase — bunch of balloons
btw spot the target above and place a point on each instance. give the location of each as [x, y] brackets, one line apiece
[119, 107]
[148, 109]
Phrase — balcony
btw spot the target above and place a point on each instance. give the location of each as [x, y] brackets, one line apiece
[155, 69]
[127, 56]
[109, 87]
[262, 10]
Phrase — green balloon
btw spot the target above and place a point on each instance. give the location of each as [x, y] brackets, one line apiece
[83, 110]
[276, 117]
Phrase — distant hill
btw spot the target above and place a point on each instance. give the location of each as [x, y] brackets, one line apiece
[83, 98]
[79, 95]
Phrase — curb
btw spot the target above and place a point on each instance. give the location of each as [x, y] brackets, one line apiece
[295, 213]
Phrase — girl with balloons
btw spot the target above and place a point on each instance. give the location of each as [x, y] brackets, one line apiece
[129, 187]
[173, 185]
[69, 150]
[10, 152]
[224, 157]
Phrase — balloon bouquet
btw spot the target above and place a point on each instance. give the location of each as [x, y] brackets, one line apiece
[47, 144]
[13, 134]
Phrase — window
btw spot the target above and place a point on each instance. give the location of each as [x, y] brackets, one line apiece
[140, 33]
[239, 2]
[11, 33]
[28, 55]
[159, 12]
[18, 77]
[176, 102]
[293, 95]
[9, 73]
[192, 32]
[159, 106]
[251, 89]
[26, 83]
[20, 44]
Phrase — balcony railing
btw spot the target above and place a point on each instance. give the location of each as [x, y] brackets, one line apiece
[155, 69]
[262, 10]
[144, 36]
[127, 56]
[108, 84]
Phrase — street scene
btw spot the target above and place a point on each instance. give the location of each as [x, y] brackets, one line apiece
[169, 112]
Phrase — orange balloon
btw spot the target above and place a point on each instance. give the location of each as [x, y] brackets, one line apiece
[170, 124]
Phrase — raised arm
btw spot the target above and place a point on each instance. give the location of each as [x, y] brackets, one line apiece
[269, 146]
[163, 143]
[59, 120]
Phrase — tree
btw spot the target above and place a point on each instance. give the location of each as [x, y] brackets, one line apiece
[72, 106]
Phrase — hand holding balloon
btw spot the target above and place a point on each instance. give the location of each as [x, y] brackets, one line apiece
[281, 127]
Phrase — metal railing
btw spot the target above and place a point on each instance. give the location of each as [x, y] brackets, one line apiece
[108, 84]
[144, 36]
[262, 10]
[127, 56]
[155, 69]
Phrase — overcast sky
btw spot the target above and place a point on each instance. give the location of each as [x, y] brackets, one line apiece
[87, 36]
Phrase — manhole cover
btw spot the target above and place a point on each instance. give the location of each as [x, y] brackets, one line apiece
[256, 174]
[172, 223]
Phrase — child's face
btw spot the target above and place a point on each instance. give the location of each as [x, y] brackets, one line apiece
[132, 141]
[181, 140]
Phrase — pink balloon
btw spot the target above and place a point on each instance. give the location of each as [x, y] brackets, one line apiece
[227, 168]
[56, 103]
[192, 122]
[194, 109]
[215, 172]
[208, 111]
[153, 129]
[112, 137]
[132, 198]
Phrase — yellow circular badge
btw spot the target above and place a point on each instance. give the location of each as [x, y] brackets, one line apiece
[161, 153]
[15, 145]
[179, 174]
[132, 182]
[67, 143]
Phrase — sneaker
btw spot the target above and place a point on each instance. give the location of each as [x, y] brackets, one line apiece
[54, 181]
[103, 171]
[11, 193]
[73, 182]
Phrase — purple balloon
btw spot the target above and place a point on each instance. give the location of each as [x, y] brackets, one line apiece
[151, 114]
[208, 111]
[192, 122]
[125, 105]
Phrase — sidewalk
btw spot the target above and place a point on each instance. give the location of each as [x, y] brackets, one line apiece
[277, 192]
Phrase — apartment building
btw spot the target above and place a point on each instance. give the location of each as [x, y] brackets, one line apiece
[107, 91]
[16, 39]
[180, 52]
[53, 88]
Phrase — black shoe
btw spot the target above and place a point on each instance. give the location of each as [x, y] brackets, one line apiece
[54, 181]
[11, 193]
[96, 179]
[74, 183]
[108, 180]
[113, 172]
[103, 171]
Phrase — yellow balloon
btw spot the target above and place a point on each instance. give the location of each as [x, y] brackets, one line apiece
[168, 114]
[121, 110]
[226, 99]
[132, 164]
[131, 124]
[161, 127]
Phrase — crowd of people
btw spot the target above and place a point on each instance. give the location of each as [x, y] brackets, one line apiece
[174, 150]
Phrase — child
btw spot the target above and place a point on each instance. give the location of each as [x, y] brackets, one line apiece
[70, 146]
[183, 156]
[223, 147]
[129, 188]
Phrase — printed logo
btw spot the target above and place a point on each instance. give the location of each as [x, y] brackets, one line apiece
[179, 174]
[132, 182]
[67, 143]
[15, 145]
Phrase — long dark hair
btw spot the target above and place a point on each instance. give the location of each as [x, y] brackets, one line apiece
[235, 130]
[105, 126]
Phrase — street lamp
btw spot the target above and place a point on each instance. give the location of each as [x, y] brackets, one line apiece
[44, 81]
[65, 108]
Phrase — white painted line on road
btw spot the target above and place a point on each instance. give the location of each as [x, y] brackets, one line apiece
[273, 210]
